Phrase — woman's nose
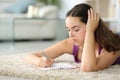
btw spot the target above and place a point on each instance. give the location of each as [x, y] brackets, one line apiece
[71, 34]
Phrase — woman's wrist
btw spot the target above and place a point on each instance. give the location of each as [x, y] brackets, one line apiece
[89, 31]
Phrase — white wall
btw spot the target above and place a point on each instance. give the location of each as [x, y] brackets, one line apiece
[67, 5]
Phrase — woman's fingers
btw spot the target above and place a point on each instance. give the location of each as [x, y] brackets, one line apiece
[49, 62]
[88, 14]
[92, 14]
[93, 20]
[44, 62]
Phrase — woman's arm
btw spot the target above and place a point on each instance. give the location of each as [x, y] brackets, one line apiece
[52, 52]
[89, 60]
[88, 56]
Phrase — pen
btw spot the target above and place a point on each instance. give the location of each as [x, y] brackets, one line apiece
[44, 54]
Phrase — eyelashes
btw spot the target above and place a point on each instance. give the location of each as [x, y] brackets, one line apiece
[73, 29]
[76, 30]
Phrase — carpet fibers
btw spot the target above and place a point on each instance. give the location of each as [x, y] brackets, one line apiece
[14, 65]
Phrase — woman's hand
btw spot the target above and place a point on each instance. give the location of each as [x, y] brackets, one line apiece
[93, 20]
[44, 62]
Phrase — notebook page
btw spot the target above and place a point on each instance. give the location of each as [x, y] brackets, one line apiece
[59, 66]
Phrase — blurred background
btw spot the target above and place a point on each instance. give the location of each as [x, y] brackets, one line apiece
[30, 25]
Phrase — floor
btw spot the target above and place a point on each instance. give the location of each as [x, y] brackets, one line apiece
[11, 78]
[22, 47]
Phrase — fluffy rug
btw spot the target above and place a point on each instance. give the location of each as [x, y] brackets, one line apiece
[13, 65]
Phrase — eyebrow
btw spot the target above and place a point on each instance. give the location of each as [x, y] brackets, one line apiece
[73, 27]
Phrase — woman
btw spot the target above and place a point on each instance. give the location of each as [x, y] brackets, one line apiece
[90, 42]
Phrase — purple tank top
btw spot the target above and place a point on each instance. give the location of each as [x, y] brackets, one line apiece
[76, 50]
[75, 53]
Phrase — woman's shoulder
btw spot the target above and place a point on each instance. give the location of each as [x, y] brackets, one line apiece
[66, 42]
[118, 53]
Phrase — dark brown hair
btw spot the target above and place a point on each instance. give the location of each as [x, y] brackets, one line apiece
[103, 35]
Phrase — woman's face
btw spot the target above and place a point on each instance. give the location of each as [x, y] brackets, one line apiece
[76, 29]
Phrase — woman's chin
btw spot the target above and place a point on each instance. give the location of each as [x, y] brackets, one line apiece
[77, 44]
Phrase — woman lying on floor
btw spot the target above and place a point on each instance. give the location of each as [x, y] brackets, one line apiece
[90, 42]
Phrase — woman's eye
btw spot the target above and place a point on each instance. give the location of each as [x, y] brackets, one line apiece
[76, 30]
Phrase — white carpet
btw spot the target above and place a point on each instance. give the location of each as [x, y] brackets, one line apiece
[13, 65]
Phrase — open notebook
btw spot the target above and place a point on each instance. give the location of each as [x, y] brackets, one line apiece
[60, 66]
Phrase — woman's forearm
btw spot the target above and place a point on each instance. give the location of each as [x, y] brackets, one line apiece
[88, 56]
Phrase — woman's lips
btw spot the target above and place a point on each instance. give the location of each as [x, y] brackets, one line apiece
[74, 40]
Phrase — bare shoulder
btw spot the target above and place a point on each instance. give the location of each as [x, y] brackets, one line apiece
[117, 53]
[106, 53]
[67, 44]
[64, 46]
[106, 59]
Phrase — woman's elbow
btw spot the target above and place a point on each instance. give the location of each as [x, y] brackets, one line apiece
[85, 68]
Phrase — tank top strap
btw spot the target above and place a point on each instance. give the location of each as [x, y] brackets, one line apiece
[100, 48]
